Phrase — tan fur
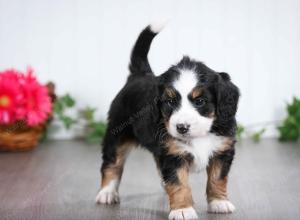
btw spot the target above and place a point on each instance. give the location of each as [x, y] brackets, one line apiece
[170, 93]
[173, 148]
[226, 144]
[196, 92]
[180, 195]
[114, 171]
[216, 187]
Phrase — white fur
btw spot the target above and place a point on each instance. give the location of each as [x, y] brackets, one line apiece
[186, 82]
[183, 214]
[221, 206]
[187, 113]
[202, 148]
[109, 194]
[157, 26]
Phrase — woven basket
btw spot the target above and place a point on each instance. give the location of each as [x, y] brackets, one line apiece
[19, 136]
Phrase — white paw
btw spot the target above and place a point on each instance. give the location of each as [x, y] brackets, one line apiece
[107, 197]
[221, 206]
[109, 194]
[183, 214]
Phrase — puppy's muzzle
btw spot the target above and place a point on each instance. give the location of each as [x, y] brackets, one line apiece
[183, 128]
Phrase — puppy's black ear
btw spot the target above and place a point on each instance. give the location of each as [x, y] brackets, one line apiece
[227, 96]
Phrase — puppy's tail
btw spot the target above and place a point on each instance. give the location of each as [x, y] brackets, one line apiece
[139, 65]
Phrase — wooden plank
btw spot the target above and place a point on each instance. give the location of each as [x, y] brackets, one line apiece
[60, 179]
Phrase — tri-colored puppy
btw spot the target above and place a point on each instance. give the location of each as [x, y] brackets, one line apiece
[185, 117]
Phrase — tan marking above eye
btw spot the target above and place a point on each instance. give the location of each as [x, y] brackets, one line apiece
[170, 93]
[197, 92]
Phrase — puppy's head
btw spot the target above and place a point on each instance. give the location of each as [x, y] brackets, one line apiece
[193, 97]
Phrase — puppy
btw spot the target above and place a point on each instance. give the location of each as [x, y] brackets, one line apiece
[185, 117]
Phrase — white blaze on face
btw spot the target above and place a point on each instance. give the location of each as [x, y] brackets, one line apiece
[187, 113]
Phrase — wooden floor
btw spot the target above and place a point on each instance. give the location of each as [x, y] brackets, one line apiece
[59, 180]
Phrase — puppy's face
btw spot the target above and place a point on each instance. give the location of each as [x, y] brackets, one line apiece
[190, 100]
[187, 107]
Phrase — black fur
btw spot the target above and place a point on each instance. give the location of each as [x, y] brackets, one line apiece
[140, 110]
[226, 159]
[168, 164]
[139, 64]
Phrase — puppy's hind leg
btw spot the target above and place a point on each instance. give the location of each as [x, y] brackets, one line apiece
[115, 151]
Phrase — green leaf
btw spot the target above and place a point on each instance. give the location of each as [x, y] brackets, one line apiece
[88, 114]
[99, 126]
[68, 100]
[96, 132]
[289, 130]
[257, 135]
[240, 131]
[93, 138]
[58, 107]
[68, 121]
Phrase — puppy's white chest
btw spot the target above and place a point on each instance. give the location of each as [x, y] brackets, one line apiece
[202, 149]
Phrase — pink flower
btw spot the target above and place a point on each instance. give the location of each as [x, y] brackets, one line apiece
[23, 98]
[36, 101]
[10, 96]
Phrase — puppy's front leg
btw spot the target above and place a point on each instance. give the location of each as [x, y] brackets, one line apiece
[175, 174]
[217, 176]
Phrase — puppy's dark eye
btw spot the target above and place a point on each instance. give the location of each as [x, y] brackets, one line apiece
[171, 102]
[200, 102]
[203, 79]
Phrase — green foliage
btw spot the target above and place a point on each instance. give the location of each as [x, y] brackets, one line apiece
[88, 114]
[257, 135]
[68, 101]
[95, 130]
[67, 121]
[290, 128]
[60, 106]
[240, 131]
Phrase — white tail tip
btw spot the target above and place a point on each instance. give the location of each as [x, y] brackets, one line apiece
[157, 26]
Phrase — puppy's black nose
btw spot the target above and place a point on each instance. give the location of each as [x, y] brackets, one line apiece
[182, 128]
